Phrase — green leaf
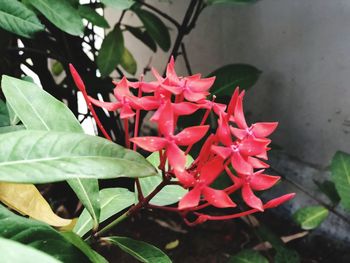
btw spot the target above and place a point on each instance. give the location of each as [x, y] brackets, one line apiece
[4, 115]
[248, 256]
[7, 129]
[38, 110]
[155, 28]
[140, 250]
[85, 248]
[170, 194]
[111, 52]
[143, 36]
[43, 157]
[14, 120]
[287, 256]
[310, 217]
[39, 236]
[112, 200]
[214, 2]
[328, 188]
[18, 19]
[231, 76]
[92, 16]
[57, 68]
[128, 62]
[12, 251]
[119, 4]
[61, 14]
[340, 169]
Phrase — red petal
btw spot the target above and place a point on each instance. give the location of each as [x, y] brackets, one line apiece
[238, 133]
[264, 129]
[110, 106]
[191, 199]
[223, 131]
[200, 85]
[126, 112]
[239, 114]
[251, 146]
[219, 108]
[149, 103]
[250, 199]
[172, 88]
[232, 105]
[211, 170]
[150, 143]
[223, 152]
[122, 89]
[191, 135]
[176, 157]
[256, 163]
[77, 79]
[240, 165]
[194, 96]
[166, 120]
[261, 181]
[184, 108]
[206, 149]
[185, 178]
[217, 198]
[279, 200]
[170, 72]
[157, 75]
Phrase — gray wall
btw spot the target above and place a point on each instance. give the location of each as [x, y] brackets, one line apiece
[303, 49]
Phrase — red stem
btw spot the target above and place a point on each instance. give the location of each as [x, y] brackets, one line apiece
[126, 129]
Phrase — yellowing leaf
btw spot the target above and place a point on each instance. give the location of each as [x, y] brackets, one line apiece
[27, 200]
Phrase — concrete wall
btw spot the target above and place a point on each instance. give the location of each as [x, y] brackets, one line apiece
[303, 49]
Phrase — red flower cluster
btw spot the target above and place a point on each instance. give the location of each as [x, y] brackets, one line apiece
[235, 149]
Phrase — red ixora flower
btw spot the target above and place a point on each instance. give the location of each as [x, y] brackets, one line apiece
[232, 149]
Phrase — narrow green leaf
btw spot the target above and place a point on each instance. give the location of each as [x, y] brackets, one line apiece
[170, 194]
[340, 169]
[119, 4]
[84, 247]
[140, 250]
[38, 110]
[16, 18]
[310, 217]
[39, 236]
[112, 200]
[42, 157]
[12, 251]
[143, 36]
[214, 2]
[128, 62]
[287, 256]
[234, 75]
[155, 28]
[248, 256]
[111, 52]
[92, 16]
[4, 115]
[61, 14]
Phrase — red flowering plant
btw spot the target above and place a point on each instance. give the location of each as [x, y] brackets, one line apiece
[234, 149]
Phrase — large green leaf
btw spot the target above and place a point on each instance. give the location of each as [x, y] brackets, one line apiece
[92, 16]
[38, 235]
[12, 251]
[328, 188]
[4, 115]
[42, 157]
[155, 28]
[38, 110]
[119, 4]
[170, 194]
[113, 200]
[62, 14]
[18, 19]
[310, 217]
[84, 247]
[111, 52]
[248, 256]
[140, 250]
[231, 76]
[7, 129]
[128, 62]
[214, 2]
[340, 169]
[143, 36]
